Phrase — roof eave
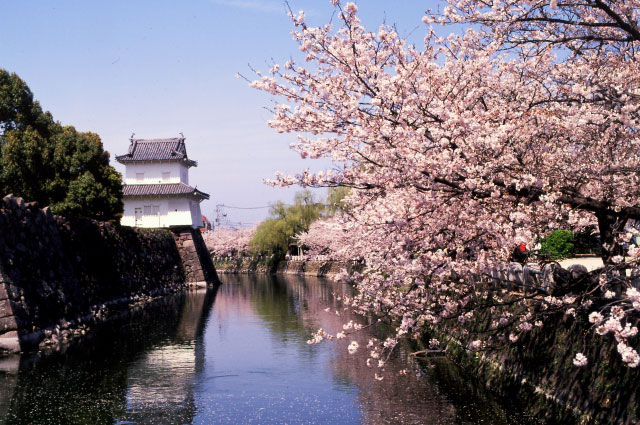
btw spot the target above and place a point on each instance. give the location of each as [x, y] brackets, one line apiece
[199, 194]
[161, 195]
[122, 160]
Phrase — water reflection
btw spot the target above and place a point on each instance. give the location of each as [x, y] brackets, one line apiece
[290, 308]
[258, 365]
[236, 356]
[97, 380]
[160, 382]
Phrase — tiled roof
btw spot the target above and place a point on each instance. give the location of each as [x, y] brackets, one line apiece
[156, 150]
[162, 189]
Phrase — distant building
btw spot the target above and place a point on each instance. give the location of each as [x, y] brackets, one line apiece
[156, 185]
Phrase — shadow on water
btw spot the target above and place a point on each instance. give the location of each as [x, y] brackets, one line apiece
[239, 355]
[96, 381]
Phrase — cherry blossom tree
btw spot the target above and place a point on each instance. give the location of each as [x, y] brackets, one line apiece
[463, 148]
[328, 237]
[225, 242]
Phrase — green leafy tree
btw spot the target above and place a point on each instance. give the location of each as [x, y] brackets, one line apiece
[55, 165]
[558, 244]
[23, 164]
[275, 233]
[335, 201]
[17, 107]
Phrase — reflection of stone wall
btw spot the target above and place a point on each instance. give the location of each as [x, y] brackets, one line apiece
[8, 381]
[160, 385]
[57, 272]
[119, 374]
[192, 310]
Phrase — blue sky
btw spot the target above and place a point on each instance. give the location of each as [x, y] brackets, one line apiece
[160, 67]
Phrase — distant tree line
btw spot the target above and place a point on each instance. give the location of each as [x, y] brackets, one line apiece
[42, 160]
[274, 235]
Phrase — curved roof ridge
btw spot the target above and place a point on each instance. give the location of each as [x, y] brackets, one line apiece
[157, 150]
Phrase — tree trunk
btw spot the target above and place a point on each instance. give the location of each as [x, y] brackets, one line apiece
[610, 225]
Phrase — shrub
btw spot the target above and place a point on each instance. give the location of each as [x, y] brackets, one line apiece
[559, 244]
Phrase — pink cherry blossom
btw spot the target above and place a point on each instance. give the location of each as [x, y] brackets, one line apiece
[580, 360]
[462, 148]
[223, 242]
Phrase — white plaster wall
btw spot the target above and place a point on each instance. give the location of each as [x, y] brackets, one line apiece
[179, 214]
[196, 214]
[153, 172]
[172, 212]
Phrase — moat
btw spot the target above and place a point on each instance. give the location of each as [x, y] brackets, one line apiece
[238, 355]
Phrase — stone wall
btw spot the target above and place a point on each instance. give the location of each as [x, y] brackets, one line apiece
[197, 262]
[323, 268]
[244, 265]
[57, 274]
[306, 268]
[537, 374]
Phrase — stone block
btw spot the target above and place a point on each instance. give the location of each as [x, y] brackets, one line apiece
[3, 290]
[8, 324]
[5, 308]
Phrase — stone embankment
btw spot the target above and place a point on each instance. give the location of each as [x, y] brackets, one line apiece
[536, 374]
[59, 275]
[310, 267]
[198, 265]
[537, 369]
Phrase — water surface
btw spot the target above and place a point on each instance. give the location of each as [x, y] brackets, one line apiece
[233, 356]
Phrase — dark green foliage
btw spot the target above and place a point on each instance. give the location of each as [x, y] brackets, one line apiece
[558, 244]
[17, 107]
[275, 233]
[55, 165]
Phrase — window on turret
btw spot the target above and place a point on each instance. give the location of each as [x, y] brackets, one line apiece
[151, 209]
